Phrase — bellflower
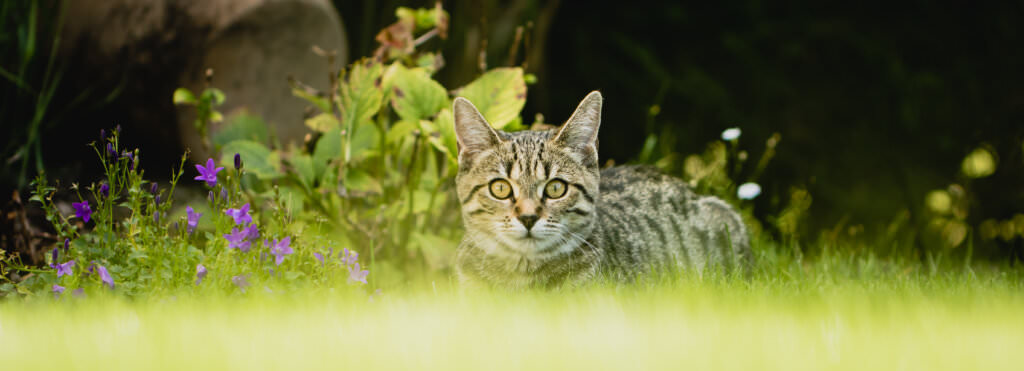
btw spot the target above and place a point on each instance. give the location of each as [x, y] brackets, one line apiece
[237, 239]
[57, 290]
[193, 218]
[241, 215]
[105, 190]
[349, 257]
[252, 233]
[67, 245]
[200, 273]
[105, 276]
[356, 275]
[208, 173]
[64, 269]
[82, 210]
[153, 188]
[280, 249]
[238, 162]
[110, 150]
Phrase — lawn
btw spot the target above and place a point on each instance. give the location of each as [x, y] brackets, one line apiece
[836, 313]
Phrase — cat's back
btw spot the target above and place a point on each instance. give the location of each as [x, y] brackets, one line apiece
[650, 220]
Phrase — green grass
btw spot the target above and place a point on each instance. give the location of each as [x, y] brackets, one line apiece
[834, 313]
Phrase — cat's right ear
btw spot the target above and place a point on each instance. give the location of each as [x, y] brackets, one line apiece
[472, 132]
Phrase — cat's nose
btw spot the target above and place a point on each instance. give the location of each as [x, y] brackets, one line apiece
[528, 220]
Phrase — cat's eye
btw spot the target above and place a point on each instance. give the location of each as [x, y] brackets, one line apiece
[500, 189]
[555, 189]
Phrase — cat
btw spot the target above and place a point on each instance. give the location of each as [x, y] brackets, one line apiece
[539, 212]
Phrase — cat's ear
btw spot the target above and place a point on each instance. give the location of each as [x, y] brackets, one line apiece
[580, 131]
[472, 132]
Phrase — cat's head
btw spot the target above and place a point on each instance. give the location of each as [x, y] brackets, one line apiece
[528, 194]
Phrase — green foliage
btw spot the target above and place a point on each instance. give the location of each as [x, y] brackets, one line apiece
[205, 104]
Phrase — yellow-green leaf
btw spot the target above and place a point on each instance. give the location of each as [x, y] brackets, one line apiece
[362, 94]
[183, 96]
[499, 94]
[415, 96]
[322, 122]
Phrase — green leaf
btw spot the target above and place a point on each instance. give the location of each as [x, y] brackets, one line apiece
[415, 96]
[320, 102]
[364, 140]
[362, 94]
[446, 125]
[322, 122]
[399, 131]
[183, 96]
[328, 147]
[242, 125]
[259, 160]
[359, 180]
[499, 94]
[303, 165]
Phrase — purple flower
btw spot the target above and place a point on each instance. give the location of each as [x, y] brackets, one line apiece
[131, 159]
[157, 200]
[82, 210]
[117, 129]
[57, 290]
[200, 273]
[238, 162]
[64, 269]
[223, 193]
[153, 188]
[319, 257]
[156, 217]
[237, 239]
[105, 190]
[241, 281]
[193, 218]
[79, 292]
[105, 276]
[349, 257]
[67, 245]
[210, 197]
[110, 150]
[241, 215]
[208, 173]
[356, 275]
[280, 249]
[103, 134]
[252, 232]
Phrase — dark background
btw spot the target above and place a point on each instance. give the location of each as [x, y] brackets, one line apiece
[877, 103]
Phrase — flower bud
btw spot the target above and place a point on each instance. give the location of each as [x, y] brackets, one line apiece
[238, 162]
[105, 190]
[103, 135]
[153, 188]
[157, 200]
[110, 150]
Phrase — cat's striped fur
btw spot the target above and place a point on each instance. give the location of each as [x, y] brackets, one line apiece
[619, 223]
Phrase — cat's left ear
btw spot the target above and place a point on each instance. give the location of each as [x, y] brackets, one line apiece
[580, 131]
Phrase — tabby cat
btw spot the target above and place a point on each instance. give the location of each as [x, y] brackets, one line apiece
[539, 212]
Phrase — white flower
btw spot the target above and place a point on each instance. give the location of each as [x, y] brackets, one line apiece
[748, 191]
[731, 134]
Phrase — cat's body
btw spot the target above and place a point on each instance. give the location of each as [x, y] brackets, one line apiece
[538, 212]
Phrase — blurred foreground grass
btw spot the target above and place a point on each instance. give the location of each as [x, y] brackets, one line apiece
[823, 320]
